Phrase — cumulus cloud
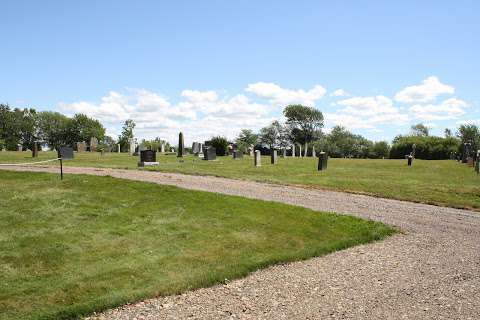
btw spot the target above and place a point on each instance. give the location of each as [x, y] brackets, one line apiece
[428, 91]
[367, 106]
[449, 109]
[339, 93]
[200, 115]
[281, 96]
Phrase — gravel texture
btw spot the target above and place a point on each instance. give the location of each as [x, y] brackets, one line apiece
[429, 271]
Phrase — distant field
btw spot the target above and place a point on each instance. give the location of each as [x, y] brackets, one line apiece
[442, 182]
[87, 243]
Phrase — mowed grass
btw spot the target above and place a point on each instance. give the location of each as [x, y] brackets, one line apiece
[84, 244]
[440, 182]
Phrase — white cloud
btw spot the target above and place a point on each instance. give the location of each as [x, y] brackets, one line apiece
[280, 96]
[201, 115]
[368, 106]
[199, 97]
[449, 109]
[339, 93]
[425, 92]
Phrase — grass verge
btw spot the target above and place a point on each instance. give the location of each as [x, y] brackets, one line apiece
[69, 248]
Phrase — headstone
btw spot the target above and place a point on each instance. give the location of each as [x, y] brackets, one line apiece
[162, 147]
[181, 146]
[131, 148]
[410, 160]
[314, 154]
[35, 150]
[147, 158]
[273, 157]
[81, 146]
[258, 159]
[237, 154]
[210, 153]
[118, 148]
[477, 162]
[196, 148]
[322, 161]
[93, 144]
[293, 150]
[470, 161]
[19, 147]
[65, 153]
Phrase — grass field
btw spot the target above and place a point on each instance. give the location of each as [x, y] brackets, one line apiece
[443, 182]
[71, 247]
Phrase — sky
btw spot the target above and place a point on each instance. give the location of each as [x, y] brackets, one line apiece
[214, 67]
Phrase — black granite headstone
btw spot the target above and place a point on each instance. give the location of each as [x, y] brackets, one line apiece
[148, 156]
[322, 161]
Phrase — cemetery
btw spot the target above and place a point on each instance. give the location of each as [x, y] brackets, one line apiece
[239, 160]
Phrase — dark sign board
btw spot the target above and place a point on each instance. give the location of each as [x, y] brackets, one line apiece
[65, 153]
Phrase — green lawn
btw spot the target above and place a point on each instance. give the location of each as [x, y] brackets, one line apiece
[71, 247]
[444, 182]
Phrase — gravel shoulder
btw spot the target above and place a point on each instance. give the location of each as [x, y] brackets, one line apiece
[430, 271]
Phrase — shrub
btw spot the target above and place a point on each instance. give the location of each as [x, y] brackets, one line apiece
[221, 145]
[427, 147]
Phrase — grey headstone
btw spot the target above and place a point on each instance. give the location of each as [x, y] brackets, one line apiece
[131, 148]
[162, 147]
[210, 154]
[93, 144]
[273, 157]
[258, 159]
[237, 154]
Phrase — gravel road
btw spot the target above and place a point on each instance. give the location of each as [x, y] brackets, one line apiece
[430, 271]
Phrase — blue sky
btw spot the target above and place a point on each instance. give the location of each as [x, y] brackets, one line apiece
[213, 67]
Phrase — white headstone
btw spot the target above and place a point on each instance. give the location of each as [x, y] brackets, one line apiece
[162, 147]
[132, 146]
[313, 152]
[118, 148]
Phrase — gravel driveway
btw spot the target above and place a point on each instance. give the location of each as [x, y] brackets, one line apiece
[431, 271]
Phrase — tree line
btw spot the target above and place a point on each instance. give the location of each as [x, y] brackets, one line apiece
[27, 126]
[303, 127]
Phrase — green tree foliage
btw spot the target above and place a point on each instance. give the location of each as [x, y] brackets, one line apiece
[155, 144]
[54, 128]
[220, 144]
[427, 147]
[82, 128]
[381, 149]
[26, 126]
[420, 130]
[127, 134]
[272, 135]
[469, 133]
[245, 139]
[305, 123]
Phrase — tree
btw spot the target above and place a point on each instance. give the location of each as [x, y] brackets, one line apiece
[271, 134]
[469, 134]
[82, 128]
[420, 130]
[220, 144]
[53, 129]
[381, 149]
[305, 123]
[246, 138]
[448, 133]
[127, 134]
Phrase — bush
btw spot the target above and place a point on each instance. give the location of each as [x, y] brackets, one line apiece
[221, 145]
[427, 147]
